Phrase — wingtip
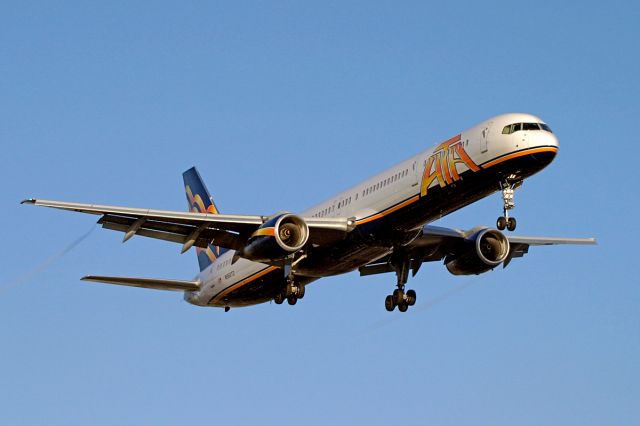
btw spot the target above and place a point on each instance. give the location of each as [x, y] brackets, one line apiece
[28, 201]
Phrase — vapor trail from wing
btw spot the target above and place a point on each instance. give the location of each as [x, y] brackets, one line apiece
[38, 269]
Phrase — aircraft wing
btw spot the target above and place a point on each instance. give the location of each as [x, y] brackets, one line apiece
[193, 229]
[435, 243]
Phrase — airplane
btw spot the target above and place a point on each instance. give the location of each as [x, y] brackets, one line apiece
[381, 225]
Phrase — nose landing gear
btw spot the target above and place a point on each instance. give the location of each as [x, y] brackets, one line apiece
[508, 203]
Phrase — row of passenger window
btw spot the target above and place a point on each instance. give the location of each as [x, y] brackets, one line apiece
[370, 190]
[516, 127]
[385, 182]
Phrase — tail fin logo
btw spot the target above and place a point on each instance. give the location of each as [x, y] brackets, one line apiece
[200, 201]
[196, 203]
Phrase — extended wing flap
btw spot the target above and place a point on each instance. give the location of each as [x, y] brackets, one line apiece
[175, 233]
[152, 283]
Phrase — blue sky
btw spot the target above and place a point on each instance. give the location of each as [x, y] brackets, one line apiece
[281, 104]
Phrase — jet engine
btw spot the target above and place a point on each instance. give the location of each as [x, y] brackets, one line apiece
[280, 236]
[484, 251]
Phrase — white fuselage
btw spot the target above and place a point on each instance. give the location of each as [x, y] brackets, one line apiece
[407, 181]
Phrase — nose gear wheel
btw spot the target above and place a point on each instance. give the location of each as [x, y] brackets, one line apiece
[508, 203]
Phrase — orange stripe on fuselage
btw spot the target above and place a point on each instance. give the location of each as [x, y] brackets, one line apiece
[388, 211]
[485, 166]
[242, 283]
[520, 154]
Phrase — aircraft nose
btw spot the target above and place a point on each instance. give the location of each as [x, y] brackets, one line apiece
[551, 140]
[544, 147]
[543, 139]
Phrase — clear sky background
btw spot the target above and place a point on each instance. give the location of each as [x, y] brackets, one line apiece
[281, 104]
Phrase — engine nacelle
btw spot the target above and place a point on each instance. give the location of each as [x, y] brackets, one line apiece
[486, 250]
[277, 238]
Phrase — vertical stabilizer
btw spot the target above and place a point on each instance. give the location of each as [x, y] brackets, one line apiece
[200, 201]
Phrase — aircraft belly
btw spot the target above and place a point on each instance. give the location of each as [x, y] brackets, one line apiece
[253, 292]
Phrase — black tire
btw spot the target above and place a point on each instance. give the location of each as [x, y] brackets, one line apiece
[388, 303]
[511, 224]
[501, 223]
[279, 298]
[288, 290]
[292, 300]
[411, 296]
[403, 307]
[398, 296]
[301, 291]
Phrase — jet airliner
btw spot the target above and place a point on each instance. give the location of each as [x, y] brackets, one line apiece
[381, 225]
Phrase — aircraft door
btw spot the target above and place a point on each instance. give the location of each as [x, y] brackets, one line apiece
[417, 174]
[484, 139]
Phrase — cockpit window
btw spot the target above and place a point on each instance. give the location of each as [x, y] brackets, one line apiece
[516, 127]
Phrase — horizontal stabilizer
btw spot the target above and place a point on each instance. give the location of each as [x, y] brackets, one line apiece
[156, 284]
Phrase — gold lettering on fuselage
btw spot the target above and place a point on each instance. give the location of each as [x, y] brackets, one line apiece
[442, 164]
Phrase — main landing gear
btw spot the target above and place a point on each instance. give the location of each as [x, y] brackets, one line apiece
[508, 203]
[292, 291]
[399, 298]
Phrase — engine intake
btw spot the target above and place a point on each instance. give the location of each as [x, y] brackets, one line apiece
[486, 250]
[277, 238]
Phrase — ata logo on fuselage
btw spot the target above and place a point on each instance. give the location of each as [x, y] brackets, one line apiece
[442, 164]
